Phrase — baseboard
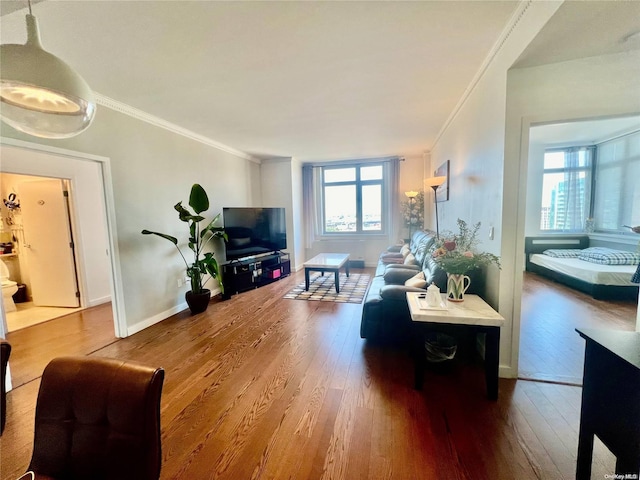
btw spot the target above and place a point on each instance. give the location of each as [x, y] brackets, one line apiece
[506, 371]
[98, 301]
[138, 327]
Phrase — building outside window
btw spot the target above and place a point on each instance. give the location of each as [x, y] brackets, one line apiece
[353, 199]
[566, 189]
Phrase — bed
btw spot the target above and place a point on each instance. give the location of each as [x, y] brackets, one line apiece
[603, 282]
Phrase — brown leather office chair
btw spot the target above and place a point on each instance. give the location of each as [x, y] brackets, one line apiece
[97, 418]
[5, 351]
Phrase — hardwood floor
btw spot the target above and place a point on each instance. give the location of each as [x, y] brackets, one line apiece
[550, 348]
[259, 387]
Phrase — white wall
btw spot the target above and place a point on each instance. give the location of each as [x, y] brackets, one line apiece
[152, 169]
[473, 140]
[297, 249]
[277, 191]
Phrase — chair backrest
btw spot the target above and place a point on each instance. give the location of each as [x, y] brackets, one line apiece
[5, 351]
[98, 418]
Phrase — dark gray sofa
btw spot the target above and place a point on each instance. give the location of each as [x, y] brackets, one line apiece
[385, 313]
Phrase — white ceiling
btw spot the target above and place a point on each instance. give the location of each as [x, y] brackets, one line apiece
[312, 80]
[586, 132]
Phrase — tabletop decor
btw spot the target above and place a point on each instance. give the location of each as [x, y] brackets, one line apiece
[457, 254]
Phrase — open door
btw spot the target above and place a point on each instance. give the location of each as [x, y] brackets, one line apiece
[48, 243]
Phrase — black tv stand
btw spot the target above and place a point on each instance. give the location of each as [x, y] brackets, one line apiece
[253, 272]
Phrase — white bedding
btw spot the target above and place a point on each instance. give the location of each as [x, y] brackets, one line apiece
[589, 272]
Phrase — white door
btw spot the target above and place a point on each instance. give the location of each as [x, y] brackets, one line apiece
[48, 244]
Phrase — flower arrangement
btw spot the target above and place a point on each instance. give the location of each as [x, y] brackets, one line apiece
[413, 211]
[457, 254]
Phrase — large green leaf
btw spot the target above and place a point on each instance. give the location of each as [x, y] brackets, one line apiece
[198, 200]
[207, 264]
[173, 240]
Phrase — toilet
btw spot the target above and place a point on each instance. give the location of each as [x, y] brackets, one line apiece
[9, 288]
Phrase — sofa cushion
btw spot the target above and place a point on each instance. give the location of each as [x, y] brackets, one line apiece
[410, 259]
[417, 281]
[397, 276]
[391, 258]
[397, 292]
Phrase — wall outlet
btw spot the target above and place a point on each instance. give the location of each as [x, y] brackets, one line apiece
[179, 282]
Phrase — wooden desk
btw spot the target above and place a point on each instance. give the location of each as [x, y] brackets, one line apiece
[610, 400]
[329, 262]
[472, 314]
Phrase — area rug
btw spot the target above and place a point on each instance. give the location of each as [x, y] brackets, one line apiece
[322, 288]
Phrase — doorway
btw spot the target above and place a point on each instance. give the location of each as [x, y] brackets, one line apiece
[92, 214]
[550, 349]
[38, 249]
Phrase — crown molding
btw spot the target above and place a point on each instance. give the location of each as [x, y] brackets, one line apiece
[133, 112]
[504, 36]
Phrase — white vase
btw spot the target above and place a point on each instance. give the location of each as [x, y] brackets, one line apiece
[457, 284]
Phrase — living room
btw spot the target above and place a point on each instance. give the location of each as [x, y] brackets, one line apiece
[151, 164]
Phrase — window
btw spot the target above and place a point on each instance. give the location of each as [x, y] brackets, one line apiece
[566, 189]
[617, 201]
[353, 199]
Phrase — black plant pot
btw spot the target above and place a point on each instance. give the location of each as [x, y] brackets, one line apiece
[198, 302]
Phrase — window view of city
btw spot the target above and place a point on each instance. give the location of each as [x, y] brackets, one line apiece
[566, 190]
[353, 197]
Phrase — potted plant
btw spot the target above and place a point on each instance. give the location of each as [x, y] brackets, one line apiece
[204, 263]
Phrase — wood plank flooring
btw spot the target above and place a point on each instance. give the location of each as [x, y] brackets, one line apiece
[259, 387]
[550, 348]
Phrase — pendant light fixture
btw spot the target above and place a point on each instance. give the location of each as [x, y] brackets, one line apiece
[39, 93]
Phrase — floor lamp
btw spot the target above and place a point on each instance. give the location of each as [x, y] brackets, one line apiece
[435, 182]
[411, 195]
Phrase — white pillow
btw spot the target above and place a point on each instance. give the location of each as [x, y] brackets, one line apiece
[410, 259]
[405, 250]
[417, 281]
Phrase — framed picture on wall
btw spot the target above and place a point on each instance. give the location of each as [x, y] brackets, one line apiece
[442, 193]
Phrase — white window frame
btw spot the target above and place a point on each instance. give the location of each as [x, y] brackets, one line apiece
[588, 169]
[359, 184]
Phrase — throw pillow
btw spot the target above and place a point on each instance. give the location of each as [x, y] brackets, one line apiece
[405, 250]
[410, 259]
[417, 281]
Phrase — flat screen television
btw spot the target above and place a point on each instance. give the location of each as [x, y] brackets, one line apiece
[254, 231]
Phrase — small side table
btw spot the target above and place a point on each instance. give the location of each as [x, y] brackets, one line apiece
[472, 314]
[610, 400]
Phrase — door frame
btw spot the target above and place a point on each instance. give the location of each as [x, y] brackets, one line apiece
[117, 291]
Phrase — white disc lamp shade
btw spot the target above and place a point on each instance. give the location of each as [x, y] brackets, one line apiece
[39, 93]
[435, 181]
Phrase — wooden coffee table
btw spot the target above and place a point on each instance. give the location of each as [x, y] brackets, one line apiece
[473, 314]
[327, 262]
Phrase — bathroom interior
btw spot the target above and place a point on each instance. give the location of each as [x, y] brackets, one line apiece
[26, 297]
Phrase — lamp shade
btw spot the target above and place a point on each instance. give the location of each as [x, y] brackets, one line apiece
[39, 93]
[435, 182]
[411, 194]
